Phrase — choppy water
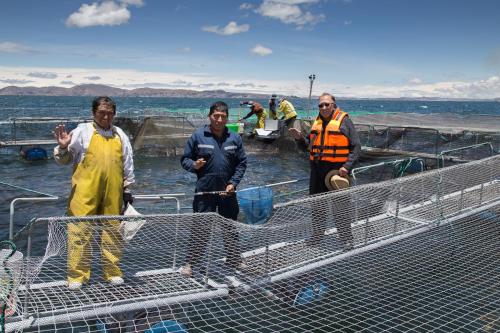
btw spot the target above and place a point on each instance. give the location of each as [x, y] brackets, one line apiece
[21, 106]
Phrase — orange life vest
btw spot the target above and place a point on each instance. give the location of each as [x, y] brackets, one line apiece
[329, 145]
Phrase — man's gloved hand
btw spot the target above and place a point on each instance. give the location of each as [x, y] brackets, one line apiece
[127, 197]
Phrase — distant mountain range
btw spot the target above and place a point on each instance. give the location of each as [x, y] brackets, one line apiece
[103, 90]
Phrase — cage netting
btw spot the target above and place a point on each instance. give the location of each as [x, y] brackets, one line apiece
[413, 254]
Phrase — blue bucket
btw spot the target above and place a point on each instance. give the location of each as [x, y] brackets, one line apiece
[34, 154]
[310, 293]
[167, 326]
[257, 204]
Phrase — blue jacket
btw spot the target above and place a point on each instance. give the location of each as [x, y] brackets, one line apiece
[226, 159]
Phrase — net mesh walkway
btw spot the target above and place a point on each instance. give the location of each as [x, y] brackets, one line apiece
[414, 254]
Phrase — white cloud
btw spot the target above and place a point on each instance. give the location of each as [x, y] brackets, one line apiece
[347, 22]
[481, 89]
[295, 2]
[290, 12]
[487, 88]
[180, 7]
[184, 50]
[137, 3]
[415, 80]
[43, 75]
[246, 6]
[14, 81]
[107, 13]
[261, 50]
[245, 85]
[10, 47]
[230, 29]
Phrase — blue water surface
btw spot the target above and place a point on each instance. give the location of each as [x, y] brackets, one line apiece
[62, 106]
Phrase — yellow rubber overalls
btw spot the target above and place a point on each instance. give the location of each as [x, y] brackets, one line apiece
[261, 120]
[287, 109]
[97, 189]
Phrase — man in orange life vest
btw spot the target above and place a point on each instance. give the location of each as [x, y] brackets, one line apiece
[333, 144]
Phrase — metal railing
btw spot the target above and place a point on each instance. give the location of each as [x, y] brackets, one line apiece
[15, 122]
[44, 197]
[409, 162]
[164, 197]
[440, 157]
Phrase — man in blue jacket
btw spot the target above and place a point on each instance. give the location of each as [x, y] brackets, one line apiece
[217, 157]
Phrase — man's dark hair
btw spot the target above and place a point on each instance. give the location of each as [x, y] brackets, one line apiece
[219, 106]
[103, 100]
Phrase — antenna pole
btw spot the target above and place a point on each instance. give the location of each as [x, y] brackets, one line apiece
[312, 77]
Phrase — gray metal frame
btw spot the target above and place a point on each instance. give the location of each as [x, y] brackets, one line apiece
[440, 157]
[358, 170]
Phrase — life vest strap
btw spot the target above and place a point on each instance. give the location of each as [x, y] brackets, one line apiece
[330, 147]
[329, 155]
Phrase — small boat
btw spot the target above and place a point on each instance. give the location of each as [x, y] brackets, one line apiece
[270, 132]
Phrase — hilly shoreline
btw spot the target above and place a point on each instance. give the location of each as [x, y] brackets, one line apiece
[99, 90]
[104, 90]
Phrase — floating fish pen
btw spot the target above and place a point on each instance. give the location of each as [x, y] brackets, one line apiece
[161, 133]
[423, 257]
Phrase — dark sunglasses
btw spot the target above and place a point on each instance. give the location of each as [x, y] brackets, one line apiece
[326, 105]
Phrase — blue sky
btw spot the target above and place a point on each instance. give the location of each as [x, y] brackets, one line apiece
[358, 48]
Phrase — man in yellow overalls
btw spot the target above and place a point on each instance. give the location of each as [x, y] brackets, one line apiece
[288, 111]
[102, 173]
[257, 109]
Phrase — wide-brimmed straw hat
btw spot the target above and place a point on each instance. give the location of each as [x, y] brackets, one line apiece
[335, 182]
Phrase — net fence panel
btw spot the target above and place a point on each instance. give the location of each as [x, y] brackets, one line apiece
[424, 140]
[387, 170]
[466, 154]
[414, 254]
[38, 129]
[162, 135]
[412, 139]
[495, 141]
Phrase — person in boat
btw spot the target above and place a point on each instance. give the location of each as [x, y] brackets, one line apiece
[334, 147]
[218, 159]
[272, 107]
[255, 109]
[288, 111]
[103, 172]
